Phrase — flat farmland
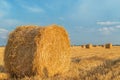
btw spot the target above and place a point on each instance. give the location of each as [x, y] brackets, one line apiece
[96, 63]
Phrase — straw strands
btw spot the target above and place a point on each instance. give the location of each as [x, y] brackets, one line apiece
[35, 50]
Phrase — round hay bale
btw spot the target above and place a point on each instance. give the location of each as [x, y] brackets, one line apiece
[95, 45]
[83, 46]
[108, 46]
[32, 50]
[103, 46]
[88, 46]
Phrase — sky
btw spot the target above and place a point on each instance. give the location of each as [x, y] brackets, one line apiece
[86, 21]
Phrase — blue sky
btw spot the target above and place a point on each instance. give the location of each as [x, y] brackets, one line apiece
[87, 21]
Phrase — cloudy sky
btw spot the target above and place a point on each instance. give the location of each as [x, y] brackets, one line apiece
[87, 21]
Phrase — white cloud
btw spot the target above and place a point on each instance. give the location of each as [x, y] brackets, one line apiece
[4, 8]
[34, 9]
[105, 30]
[108, 23]
[3, 33]
[61, 18]
[4, 4]
[108, 30]
[9, 22]
[1, 14]
[118, 26]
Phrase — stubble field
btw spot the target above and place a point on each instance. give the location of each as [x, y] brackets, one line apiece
[96, 63]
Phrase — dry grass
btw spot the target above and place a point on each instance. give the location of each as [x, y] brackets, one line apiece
[97, 63]
[1, 55]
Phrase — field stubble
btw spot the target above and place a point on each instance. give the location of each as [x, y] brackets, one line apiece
[96, 63]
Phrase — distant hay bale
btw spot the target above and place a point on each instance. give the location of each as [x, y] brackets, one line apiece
[83, 46]
[95, 46]
[103, 46]
[108, 46]
[33, 50]
[89, 46]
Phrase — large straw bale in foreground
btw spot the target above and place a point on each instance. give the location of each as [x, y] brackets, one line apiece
[108, 46]
[33, 50]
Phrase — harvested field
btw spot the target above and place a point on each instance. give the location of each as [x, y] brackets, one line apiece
[97, 63]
